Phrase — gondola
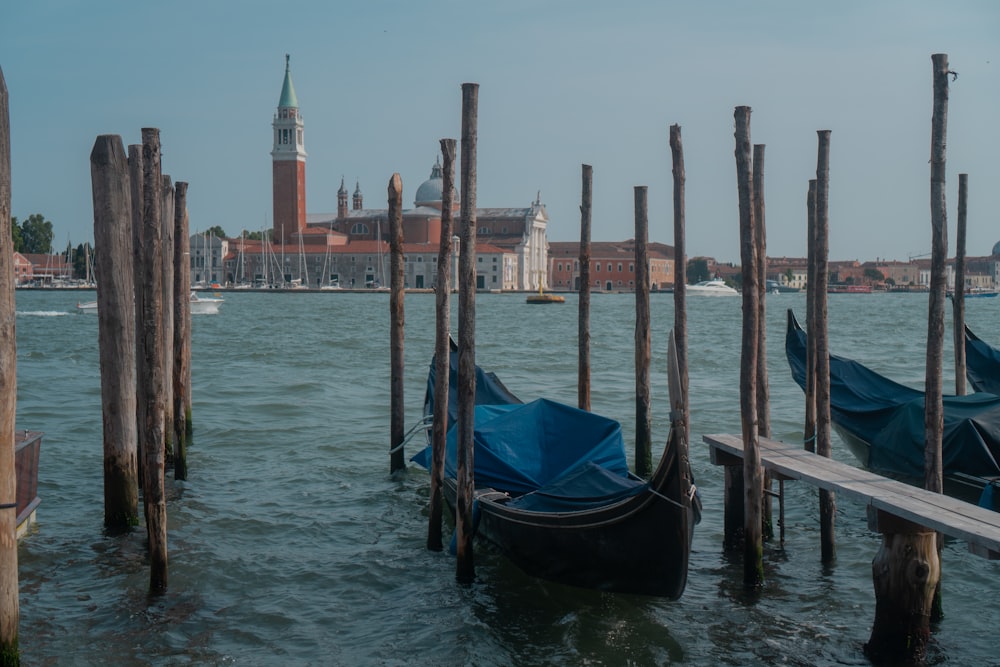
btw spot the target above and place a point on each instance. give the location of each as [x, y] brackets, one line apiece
[882, 423]
[982, 364]
[554, 493]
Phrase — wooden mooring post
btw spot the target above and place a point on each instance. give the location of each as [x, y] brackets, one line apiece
[116, 330]
[397, 426]
[753, 482]
[465, 567]
[167, 229]
[643, 355]
[763, 384]
[680, 274]
[809, 427]
[442, 345]
[9, 609]
[827, 499]
[153, 378]
[182, 428]
[135, 174]
[958, 294]
[583, 328]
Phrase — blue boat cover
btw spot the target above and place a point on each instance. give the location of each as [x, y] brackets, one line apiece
[552, 457]
[890, 417]
[520, 448]
[982, 364]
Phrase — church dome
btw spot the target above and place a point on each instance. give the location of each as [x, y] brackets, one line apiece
[996, 248]
[430, 191]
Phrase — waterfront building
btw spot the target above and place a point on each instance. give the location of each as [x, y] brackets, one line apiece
[612, 266]
[350, 248]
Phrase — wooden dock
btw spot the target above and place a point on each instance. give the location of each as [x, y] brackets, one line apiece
[978, 526]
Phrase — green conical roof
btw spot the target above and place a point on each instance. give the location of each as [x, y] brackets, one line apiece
[288, 98]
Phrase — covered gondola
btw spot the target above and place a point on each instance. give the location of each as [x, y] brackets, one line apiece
[554, 493]
[982, 364]
[882, 423]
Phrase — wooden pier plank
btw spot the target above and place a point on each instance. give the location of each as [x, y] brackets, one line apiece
[978, 526]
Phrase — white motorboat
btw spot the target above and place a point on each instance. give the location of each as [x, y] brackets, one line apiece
[715, 287]
[200, 305]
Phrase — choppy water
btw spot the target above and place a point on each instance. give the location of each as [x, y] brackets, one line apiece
[289, 544]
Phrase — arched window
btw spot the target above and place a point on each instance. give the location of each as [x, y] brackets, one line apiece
[359, 228]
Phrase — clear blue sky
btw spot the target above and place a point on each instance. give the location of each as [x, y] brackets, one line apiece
[562, 82]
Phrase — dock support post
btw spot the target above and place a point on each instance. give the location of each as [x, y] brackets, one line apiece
[465, 567]
[442, 345]
[397, 428]
[583, 326]
[905, 572]
[753, 565]
[9, 609]
[116, 330]
[643, 418]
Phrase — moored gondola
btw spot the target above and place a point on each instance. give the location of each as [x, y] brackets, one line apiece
[554, 494]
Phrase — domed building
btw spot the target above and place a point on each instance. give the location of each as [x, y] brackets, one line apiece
[511, 243]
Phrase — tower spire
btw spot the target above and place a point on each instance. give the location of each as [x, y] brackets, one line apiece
[288, 160]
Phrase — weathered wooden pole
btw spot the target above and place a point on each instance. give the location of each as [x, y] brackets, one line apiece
[442, 345]
[763, 391]
[116, 330]
[958, 300]
[827, 499]
[167, 229]
[934, 383]
[753, 480]
[154, 498]
[680, 272]
[182, 428]
[583, 328]
[465, 568]
[809, 428]
[9, 609]
[397, 426]
[135, 173]
[643, 355]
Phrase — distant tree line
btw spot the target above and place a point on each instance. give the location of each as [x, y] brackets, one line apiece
[33, 236]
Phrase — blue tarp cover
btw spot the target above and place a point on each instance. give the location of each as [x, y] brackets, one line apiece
[982, 364]
[890, 417]
[521, 448]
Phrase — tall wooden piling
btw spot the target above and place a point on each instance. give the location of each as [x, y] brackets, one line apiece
[167, 229]
[182, 429]
[465, 567]
[583, 328]
[397, 427]
[135, 173]
[809, 428]
[763, 390]
[154, 499]
[442, 345]
[958, 300]
[643, 415]
[827, 499]
[9, 610]
[753, 480]
[116, 330]
[680, 272]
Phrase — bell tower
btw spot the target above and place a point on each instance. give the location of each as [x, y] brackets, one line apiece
[288, 164]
